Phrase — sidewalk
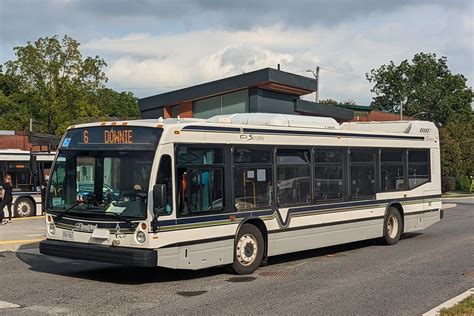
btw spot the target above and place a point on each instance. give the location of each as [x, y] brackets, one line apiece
[457, 195]
[22, 231]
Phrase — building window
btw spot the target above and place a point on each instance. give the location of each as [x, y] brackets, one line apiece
[200, 180]
[328, 174]
[253, 178]
[293, 178]
[391, 161]
[175, 111]
[362, 174]
[230, 103]
[418, 167]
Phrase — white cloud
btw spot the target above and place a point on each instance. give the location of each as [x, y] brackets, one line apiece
[159, 62]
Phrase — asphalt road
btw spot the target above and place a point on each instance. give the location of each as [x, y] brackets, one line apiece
[420, 272]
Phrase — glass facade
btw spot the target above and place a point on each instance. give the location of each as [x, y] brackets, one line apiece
[235, 102]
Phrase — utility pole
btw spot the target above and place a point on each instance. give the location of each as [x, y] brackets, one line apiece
[401, 110]
[316, 76]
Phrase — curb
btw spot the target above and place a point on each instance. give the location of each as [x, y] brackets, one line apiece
[14, 245]
[28, 218]
[448, 206]
[449, 303]
[457, 197]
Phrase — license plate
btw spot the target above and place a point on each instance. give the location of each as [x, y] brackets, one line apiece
[68, 235]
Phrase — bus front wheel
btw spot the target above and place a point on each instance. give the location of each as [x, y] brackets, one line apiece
[392, 226]
[248, 250]
[24, 207]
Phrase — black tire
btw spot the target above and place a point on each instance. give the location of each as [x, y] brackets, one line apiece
[248, 250]
[392, 226]
[24, 207]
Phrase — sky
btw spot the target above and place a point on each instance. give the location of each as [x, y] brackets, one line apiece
[156, 46]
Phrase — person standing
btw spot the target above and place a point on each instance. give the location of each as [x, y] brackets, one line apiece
[7, 199]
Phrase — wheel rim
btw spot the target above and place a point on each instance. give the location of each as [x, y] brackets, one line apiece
[23, 208]
[247, 249]
[392, 226]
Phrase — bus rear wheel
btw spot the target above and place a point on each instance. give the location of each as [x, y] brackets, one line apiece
[248, 250]
[392, 226]
[24, 207]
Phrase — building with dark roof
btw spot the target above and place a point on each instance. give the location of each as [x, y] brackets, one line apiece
[266, 90]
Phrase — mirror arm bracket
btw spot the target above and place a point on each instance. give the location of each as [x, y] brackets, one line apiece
[154, 223]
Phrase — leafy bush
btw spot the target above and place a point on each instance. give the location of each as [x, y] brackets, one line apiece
[447, 184]
[463, 183]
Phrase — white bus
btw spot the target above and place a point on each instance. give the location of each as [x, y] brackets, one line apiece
[234, 189]
[25, 181]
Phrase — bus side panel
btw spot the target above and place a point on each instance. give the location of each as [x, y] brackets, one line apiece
[198, 256]
[305, 239]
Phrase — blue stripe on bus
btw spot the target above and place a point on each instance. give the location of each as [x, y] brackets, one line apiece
[295, 210]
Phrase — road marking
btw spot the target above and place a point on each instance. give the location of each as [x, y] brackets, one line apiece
[35, 235]
[4, 305]
[24, 241]
[295, 265]
[449, 303]
[27, 218]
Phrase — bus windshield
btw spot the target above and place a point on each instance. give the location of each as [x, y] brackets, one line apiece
[101, 183]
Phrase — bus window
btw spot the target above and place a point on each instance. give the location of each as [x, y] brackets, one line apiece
[362, 173]
[21, 177]
[164, 177]
[418, 167]
[253, 178]
[293, 179]
[200, 179]
[391, 161]
[328, 185]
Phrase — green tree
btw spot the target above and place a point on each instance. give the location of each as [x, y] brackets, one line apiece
[426, 85]
[57, 80]
[117, 104]
[14, 105]
[427, 88]
[328, 102]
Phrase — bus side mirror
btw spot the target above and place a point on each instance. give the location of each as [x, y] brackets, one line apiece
[159, 195]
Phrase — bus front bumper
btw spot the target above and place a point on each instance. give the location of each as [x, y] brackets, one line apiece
[100, 253]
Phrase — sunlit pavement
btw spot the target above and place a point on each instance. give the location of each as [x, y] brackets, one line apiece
[22, 232]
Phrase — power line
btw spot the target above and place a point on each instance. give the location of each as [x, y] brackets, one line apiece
[338, 72]
[342, 73]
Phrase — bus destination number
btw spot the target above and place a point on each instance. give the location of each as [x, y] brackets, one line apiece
[85, 137]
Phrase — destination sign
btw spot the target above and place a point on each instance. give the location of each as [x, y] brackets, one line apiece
[112, 138]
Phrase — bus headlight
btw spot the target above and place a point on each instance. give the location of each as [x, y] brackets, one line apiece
[141, 237]
[51, 229]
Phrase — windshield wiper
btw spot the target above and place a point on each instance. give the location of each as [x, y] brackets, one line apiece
[61, 214]
[127, 220]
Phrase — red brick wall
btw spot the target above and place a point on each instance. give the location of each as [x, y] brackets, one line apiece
[186, 110]
[17, 141]
[167, 112]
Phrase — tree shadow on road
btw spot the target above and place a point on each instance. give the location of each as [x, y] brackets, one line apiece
[126, 275]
